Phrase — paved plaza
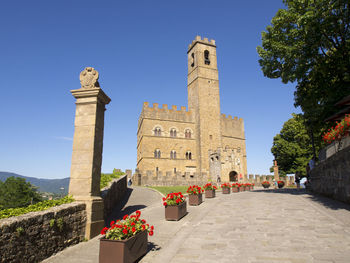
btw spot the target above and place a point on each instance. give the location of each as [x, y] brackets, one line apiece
[283, 225]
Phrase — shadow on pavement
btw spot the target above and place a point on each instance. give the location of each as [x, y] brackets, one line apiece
[150, 247]
[325, 201]
[120, 210]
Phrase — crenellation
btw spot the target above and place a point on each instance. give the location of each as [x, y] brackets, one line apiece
[174, 107]
[165, 106]
[229, 117]
[183, 108]
[205, 40]
[155, 105]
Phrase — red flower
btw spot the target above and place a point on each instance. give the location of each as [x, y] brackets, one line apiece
[143, 221]
[133, 229]
[150, 233]
[112, 223]
[103, 231]
[125, 217]
[143, 227]
[165, 204]
[125, 231]
[132, 223]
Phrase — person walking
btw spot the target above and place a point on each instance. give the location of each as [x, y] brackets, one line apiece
[297, 180]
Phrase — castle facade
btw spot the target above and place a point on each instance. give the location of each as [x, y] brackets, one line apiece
[196, 141]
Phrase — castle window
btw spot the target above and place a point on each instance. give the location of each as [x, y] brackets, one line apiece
[188, 155]
[174, 170]
[173, 132]
[192, 55]
[206, 57]
[187, 133]
[173, 154]
[157, 131]
[238, 149]
[157, 153]
[210, 137]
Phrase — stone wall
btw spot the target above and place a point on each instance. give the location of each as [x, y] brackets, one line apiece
[149, 178]
[37, 235]
[113, 194]
[331, 177]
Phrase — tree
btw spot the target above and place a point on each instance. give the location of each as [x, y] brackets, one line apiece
[292, 147]
[309, 43]
[16, 192]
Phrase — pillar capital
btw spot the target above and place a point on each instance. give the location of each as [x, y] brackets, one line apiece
[90, 95]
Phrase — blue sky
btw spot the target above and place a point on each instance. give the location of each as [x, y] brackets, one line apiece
[139, 49]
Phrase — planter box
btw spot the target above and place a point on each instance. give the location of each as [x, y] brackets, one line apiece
[123, 251]
[195, 199]
[265, 186]
[210, 193]
[235, 190]
[175, 212]
[225, 190]
[242, 189]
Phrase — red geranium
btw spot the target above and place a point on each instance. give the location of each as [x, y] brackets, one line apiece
[209, 186]
[173, 199]
[194, 190]
[126, 228]
[225, 185]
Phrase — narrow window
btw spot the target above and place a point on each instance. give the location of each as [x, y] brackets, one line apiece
[187, 133]
[210, 137]
[157, 153]
[173, 132]
[206, 57]
[174, 170]
[238, 149]
[173, 154]
[157, 131]
[188, 155]
[192, 55]
[157, 170]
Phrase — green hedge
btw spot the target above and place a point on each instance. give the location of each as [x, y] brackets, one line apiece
[106, 178]
[36, 207]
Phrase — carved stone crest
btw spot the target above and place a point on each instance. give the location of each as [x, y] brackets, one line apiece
[89, 78]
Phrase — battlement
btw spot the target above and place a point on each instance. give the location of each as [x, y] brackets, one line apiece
[229, 118]
[198, 39]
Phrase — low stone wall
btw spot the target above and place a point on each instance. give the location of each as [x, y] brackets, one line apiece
[35, 236]
[113, 194]
[331, 177]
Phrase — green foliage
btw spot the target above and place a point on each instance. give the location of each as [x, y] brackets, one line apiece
[309, 43]
[52, 222]
[292, 147]
[36, 207]
[19, 231]
[107, 178]
[16, 192]
[60, 223]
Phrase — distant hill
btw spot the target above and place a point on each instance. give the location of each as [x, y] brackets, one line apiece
[45, 185]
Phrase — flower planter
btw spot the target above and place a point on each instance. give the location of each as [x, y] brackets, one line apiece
[195, 199]
[266, 185]
[242, 189]
[225, 190]
[123, 251]
[209, 193]
[175, 212]
[235, 190]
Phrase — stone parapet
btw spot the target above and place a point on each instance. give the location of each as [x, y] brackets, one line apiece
[331, 177]
[36, 236]
[113, 194]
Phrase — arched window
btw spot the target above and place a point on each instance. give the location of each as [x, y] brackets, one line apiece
[206, 57]
[187, 133]
[173, 154]
[157, 153]
[157, 131]
[173, 132]
[188, 155]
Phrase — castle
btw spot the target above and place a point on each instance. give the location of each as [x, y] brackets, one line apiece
[199, 141]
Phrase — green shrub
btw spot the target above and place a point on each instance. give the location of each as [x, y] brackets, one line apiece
[107, 178]
[36, 207]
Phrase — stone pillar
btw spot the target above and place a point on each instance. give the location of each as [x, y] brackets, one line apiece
[275, 171]
[85, 175]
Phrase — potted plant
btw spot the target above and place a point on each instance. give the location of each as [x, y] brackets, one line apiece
[125, 240]
[194, 195]
[242, 187]
[175, 206]
[265, 184]
[209, 190]
[235, 187]
[225, 188]
[280, 184]
[252, 186]
[247, 186]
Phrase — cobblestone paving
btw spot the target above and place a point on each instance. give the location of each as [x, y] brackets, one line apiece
[284, 225]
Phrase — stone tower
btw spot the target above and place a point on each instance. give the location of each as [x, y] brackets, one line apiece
[204, 98]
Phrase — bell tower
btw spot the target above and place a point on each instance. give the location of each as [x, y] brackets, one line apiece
[204, 98]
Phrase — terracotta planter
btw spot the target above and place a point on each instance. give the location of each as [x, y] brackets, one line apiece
[175, 212]
[210, 193]
[195, 199]
[225, 190]
[123, 251]
[235, 190]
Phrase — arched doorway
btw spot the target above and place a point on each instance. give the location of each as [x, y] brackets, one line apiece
[233, 176]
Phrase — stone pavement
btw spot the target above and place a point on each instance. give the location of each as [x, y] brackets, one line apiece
[284, 225]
